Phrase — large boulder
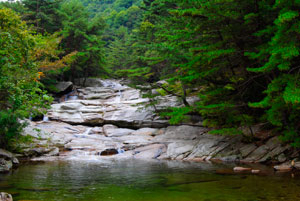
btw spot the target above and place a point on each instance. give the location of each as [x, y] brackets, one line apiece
[5, 165]
[63, 87]
[7, 160]
[5, 197]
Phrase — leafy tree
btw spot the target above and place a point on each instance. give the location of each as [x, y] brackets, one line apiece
[20, 91]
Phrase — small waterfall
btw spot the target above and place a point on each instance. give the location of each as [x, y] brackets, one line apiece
[118, 97]
[69, 96]
[73, 97]
[120, 151]
[45, 118]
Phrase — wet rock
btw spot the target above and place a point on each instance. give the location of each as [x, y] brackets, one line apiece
[5, 197]
[5, 165]
[241, 169]
[8, 156]
[255, 171]
[283, 167]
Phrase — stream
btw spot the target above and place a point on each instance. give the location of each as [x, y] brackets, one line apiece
[102, 144]
[138, 180]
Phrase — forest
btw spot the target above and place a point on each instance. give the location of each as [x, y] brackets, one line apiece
[241, 58]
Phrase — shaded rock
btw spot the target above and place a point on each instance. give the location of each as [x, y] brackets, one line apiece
[5, 165]
[297, 165]
[247, 149]
[259, 153]
[39, 151]
[8, 156]
[281, 158]
[109, 152]
[63, 87]
[5, 197]
[283, 167]
[89, 82]
[241, 169]
[53, 152]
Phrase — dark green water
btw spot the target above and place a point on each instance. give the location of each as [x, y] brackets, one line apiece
[144, 181]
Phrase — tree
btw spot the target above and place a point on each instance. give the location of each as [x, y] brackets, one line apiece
[20, 91]
[43, 15]
[77, 26]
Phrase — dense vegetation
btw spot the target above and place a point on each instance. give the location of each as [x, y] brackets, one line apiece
[240, 57]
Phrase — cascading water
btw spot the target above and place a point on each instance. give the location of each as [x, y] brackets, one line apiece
[45, 118]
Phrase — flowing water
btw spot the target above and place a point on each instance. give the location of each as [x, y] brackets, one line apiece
[135, 180]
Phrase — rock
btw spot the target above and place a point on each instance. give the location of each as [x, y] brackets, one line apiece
[150, 152]
[89, 82]
[40, 151]
[5, 165]
[63, 87]
[283, 167]
[241, 169]
[297, 165]
[177, 133]
[180, 148]
[113, 131]
[255, 171]
[5, 197]
[8, 156]
[97, 130]
[53, 152]
[281, 158]
[145, 131]
[247, 149]
[259, 153]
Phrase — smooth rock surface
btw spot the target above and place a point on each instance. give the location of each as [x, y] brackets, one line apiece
[5, 197]
[110, 118]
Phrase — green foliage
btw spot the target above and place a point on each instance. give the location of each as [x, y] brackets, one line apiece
[243, 56]
[43, 15]
[77, 26]
[21, 93]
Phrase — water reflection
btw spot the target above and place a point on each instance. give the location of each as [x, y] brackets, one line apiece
[143, 180]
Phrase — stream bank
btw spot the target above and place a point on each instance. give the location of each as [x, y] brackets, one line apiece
[107, 120]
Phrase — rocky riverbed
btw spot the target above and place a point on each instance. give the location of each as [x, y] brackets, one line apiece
[107, 120]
